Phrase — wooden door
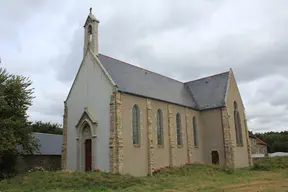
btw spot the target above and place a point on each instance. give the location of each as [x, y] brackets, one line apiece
[88, 155]
[215, 157]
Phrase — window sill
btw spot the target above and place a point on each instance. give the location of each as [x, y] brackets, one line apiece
[160, 146]
[196, 147]
[240, 145]
[136, 145]
[180, 146]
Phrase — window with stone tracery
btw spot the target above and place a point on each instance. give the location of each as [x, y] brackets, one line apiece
[195, 132]
[136, 125]
[237, 123]
[160, 134]
[178, 130]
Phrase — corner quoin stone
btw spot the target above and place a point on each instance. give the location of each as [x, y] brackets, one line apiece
[119, 148]
[150, 138]
[188, 137]
[64, 145]
[171, 137]
[229, 147]
[112, 145]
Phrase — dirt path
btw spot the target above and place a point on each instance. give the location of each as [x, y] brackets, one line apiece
[259, 186]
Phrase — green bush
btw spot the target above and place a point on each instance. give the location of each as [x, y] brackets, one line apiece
[271, 163]
[8, 161]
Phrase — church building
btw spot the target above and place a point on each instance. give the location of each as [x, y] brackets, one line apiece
[124, 119]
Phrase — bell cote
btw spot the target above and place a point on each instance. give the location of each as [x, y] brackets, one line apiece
[91, 33]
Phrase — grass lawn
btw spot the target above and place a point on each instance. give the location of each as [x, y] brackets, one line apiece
[267, 175]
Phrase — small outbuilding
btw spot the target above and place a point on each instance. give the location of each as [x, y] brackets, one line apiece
[49, 156]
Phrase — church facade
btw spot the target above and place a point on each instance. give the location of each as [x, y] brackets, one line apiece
[124, 119]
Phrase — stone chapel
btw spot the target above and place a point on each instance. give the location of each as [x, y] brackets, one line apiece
[124, 119]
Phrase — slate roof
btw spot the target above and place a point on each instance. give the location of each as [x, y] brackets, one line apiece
[50, 144]
[200, 94]
[209, 92]
[259, 141]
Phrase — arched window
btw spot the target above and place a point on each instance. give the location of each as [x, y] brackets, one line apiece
[178, 129]
[195, 132]
[160, 135]
[237, 123]
[136, 124]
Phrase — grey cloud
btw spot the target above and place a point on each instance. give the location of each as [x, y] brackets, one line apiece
[49, 101]
[69, 63]
[14, 14]
[249, 58]
[274, 91]
[129, 30]
[50, 108]
[183, 40]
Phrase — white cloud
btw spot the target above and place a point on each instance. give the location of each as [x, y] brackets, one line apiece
[186, 40]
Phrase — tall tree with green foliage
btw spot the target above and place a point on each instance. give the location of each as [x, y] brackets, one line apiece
[15, 139]
[46, 127]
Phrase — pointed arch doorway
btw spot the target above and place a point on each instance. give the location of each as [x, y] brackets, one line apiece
[86, 142]
[88, 155]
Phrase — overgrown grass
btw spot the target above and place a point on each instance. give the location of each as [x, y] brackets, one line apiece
[45, 181]
[269, 163]
[186, 178]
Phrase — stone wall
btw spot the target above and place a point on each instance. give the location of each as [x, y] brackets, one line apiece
[171, 137]
[116, 137]
[249, 149]
[261, 149]
[229, 147]
[150, 138]
[64, 144]
[112, 145]
[189, 136]
[48, 162]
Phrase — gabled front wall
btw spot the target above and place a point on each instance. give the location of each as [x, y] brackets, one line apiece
[241, 152]
[136, 157]
[91, 89]
[213, 135]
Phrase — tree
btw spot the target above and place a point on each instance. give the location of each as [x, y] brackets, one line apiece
[47, 127]
[15, 139]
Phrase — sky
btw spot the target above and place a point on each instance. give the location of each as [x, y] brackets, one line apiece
[185, 40]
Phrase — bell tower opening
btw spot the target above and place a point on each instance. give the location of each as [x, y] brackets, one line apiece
[90, 33]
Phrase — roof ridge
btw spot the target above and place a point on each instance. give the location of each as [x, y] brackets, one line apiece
[201, 78]
[142, 68]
